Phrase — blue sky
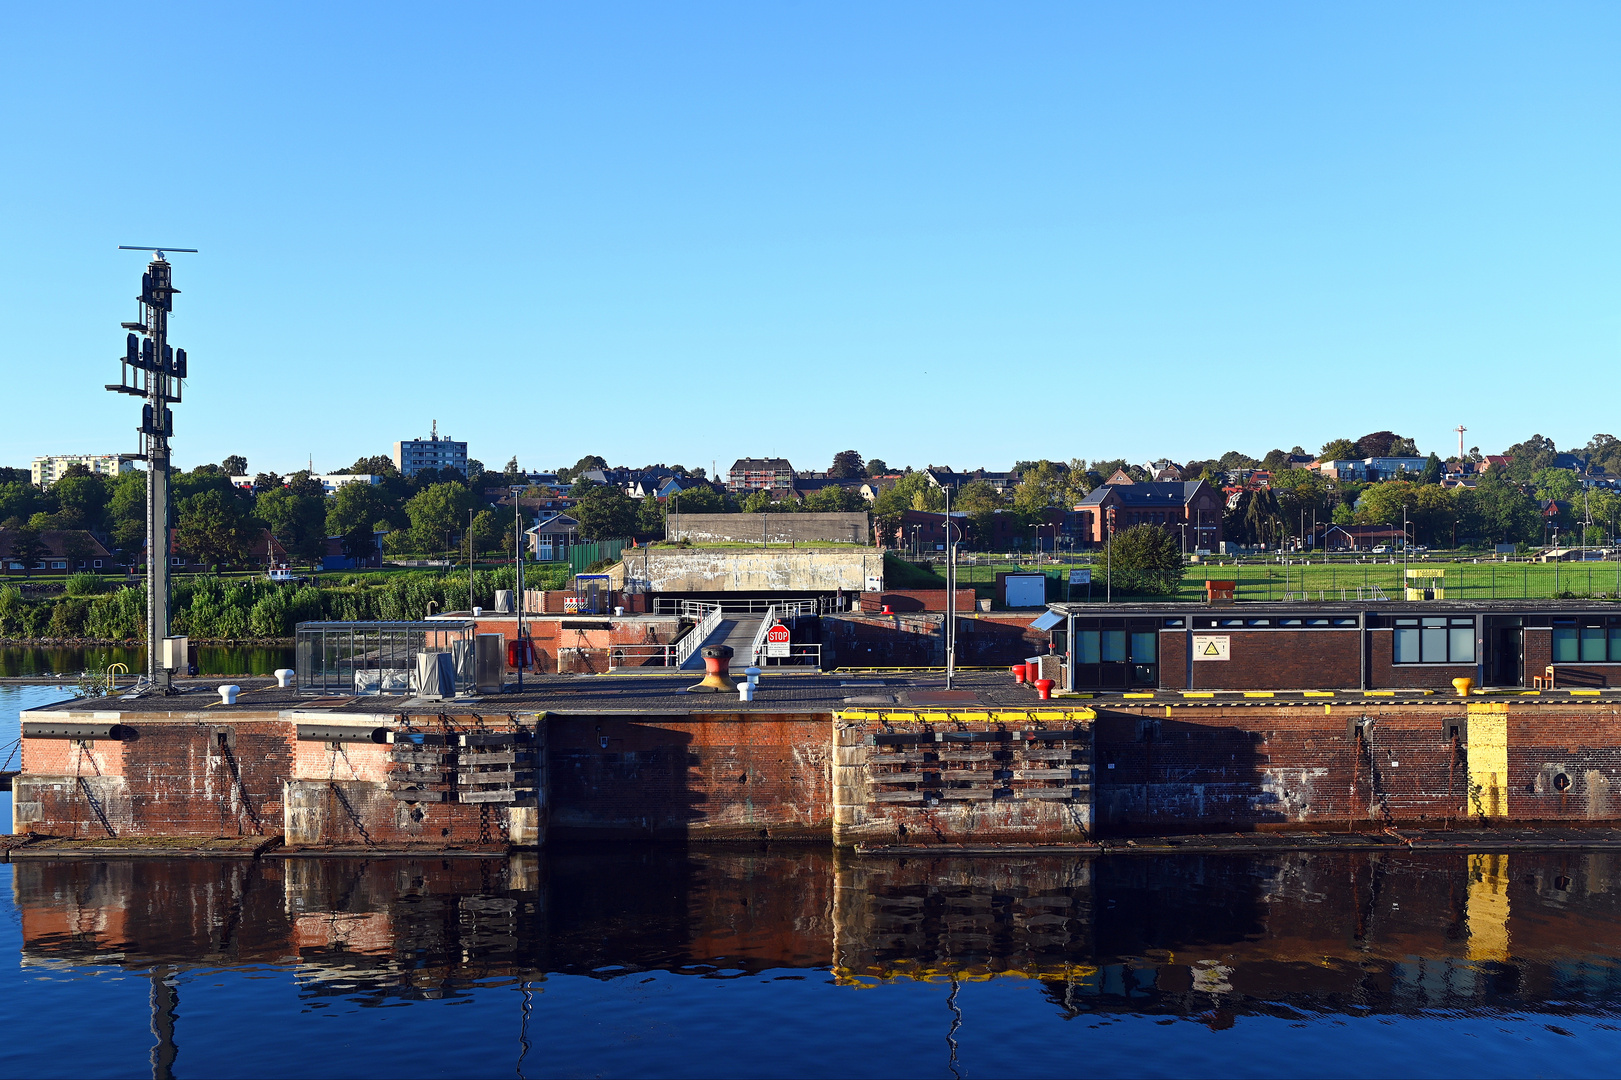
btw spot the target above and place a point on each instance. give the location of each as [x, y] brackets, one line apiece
[934, 233]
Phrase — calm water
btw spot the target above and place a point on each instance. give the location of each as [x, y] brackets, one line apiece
[799, 962]
[20, 660]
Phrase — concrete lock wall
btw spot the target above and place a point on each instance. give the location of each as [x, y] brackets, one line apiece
[832, 528]
[676, 570]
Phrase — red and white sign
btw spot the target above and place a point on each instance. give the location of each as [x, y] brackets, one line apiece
[776, 641]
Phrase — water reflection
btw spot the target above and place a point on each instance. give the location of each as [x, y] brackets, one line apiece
[1202, 937]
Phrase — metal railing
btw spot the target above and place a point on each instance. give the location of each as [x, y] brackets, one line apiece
[796, 653]
[692, 608]
[695, 637]
[642, 656]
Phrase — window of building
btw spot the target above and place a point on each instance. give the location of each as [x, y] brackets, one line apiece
[1122, 655]
[59, 564]
[1594, 640]
[1435, 640]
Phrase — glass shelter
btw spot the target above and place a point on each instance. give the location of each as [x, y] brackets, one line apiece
[378, 657]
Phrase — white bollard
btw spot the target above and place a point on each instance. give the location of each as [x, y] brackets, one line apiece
[228, 694]
[284, 677]
[745, 691]
[478, 613]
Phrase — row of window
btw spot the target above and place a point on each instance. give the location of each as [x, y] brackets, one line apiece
[56, 564]
[1114, 647]
[1435, 640]
[1587, 645]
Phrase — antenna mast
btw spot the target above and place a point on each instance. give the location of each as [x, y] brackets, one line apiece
[1460, 429]
[151, 370]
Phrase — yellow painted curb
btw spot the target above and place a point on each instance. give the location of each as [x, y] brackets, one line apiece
[1197, 693]
[1319, 693]
[1259, 693]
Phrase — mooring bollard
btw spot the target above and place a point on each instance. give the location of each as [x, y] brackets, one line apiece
[717, 665]
[284, 677]
[228, 694]
[1018, 673]
[1044, 687]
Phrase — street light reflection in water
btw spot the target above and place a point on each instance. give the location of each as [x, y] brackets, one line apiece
[799, 961]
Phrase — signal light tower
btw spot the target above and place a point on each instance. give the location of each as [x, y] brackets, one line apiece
[150, 369]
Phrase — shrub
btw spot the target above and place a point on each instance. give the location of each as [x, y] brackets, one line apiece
[84, 584]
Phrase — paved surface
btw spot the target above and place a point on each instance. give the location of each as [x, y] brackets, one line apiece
[791, 690]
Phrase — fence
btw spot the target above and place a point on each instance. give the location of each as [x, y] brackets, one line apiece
[583, 555]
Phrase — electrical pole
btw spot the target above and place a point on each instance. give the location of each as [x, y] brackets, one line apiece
[151, 370]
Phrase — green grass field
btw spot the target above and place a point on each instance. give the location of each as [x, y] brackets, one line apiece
[1337, 580]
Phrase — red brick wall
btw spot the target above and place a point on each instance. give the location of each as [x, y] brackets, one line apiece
[916, 600]
[176, 781]
[1264, 660]
[1276, 767]
[700, 776]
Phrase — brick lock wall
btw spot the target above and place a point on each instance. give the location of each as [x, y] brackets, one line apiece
[698, 776]
[1582, 743]
[1277, 767]
[177, 780]
[1264, 660]
[342, 761]
[878, 797]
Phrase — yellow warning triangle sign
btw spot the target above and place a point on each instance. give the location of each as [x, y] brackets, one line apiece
[1210, 649]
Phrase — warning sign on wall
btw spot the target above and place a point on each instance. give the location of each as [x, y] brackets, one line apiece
[1207, 647]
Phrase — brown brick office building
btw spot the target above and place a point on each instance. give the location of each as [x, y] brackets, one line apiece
[1336, 646]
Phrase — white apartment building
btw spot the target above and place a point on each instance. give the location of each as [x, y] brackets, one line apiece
[49, 469]
[434, 452]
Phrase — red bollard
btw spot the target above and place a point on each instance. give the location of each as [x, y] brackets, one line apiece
[1044, 687]
[1018, 673]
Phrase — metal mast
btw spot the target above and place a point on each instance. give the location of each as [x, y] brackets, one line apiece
[151, 370]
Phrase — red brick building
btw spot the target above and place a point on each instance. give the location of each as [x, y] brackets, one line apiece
[1190, 510]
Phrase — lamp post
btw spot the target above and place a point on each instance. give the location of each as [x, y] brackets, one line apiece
[517, 578]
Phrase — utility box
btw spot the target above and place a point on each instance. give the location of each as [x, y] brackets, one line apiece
[175, 655]
[491, 663]
[503, 601]
[1021, 590]
[436, 675]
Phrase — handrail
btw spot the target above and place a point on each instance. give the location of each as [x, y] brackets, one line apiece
[619, 654]
[766, 623]
[697, 635]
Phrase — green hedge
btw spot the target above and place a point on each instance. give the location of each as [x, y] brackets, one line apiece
[213, 608]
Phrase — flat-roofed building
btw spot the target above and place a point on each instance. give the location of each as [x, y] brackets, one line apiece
[50, 468]
[411, 456]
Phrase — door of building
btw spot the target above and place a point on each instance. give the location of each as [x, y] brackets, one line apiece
[1505, 653]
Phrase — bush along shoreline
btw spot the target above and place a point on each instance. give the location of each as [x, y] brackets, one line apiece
[212, 610]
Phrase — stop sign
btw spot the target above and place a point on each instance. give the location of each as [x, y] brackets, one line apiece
[776, 641]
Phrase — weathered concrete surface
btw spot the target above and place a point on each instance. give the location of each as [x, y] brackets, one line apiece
[837, 528]
[670, 569]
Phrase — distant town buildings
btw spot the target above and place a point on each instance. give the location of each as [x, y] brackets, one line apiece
[52, 467]
[330, 482]
[413, 455]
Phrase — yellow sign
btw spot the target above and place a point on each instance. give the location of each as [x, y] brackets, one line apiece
[1211, 647]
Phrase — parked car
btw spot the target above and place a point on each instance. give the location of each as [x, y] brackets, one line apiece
[1382, 549]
